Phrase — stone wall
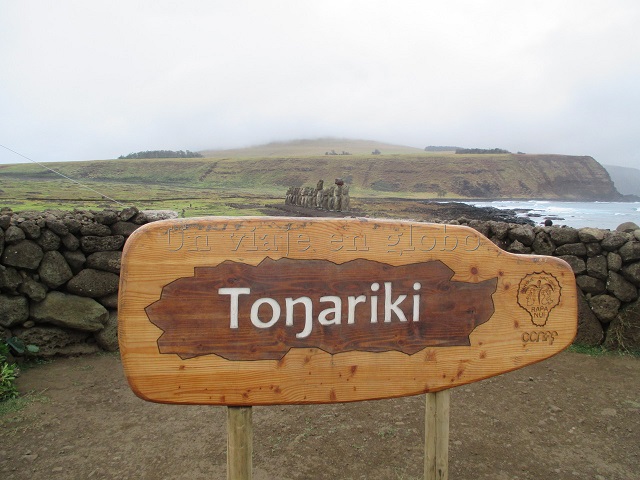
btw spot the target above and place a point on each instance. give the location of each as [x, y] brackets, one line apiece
[59, 275]
[607, 268]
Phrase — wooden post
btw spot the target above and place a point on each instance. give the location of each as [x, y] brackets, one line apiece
[239, 443]
[436, 447]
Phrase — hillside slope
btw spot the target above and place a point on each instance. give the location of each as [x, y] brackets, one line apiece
[411, 175]
[626, 179]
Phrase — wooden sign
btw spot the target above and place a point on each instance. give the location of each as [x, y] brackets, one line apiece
[261, 311]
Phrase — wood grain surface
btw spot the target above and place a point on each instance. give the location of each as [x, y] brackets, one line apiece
[260, 311]
[236, 310]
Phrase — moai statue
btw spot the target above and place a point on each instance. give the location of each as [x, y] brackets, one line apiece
[319, 198]
[306, 197]
[311, 199]
[337, 205]
[287, 199]
[316, 193]
[346, 200]
[296, 195]
[303, 196]
[327, 202]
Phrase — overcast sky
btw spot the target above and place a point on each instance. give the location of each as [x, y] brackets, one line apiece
[84, 80]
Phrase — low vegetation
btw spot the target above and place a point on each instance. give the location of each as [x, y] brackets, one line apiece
[162, 154]
[483, 151]
[8, 373]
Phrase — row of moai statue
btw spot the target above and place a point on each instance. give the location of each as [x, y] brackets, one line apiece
[335, 198]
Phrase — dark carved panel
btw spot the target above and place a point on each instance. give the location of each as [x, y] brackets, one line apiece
[244, 312]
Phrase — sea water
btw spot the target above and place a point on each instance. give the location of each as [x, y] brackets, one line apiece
[573, 214]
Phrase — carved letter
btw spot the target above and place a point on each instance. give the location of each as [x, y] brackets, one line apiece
[374, 303]
[416, 303]
[308, 314]
[233, 308]
[255, 319]
[336, 310]
[389, 305]
[353, 301]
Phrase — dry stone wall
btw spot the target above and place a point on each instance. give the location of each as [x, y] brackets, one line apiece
[59, 275]
[607, 268]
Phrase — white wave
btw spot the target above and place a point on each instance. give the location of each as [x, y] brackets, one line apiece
[564, 210]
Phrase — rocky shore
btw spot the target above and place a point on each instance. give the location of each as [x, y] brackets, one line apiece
[424, 210]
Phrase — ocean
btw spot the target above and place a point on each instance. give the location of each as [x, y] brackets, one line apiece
[573, 214]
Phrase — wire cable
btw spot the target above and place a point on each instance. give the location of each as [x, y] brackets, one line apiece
[64, 176]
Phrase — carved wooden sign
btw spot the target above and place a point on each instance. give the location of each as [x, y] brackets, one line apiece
[260, 311]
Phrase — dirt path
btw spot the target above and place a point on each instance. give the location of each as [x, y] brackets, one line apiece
[572, 416]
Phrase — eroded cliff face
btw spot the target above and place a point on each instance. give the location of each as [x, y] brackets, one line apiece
[450, 176]
[559, 177]
[626, 179]
[566, 177]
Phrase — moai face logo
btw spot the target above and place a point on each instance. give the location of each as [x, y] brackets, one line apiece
[538, 294]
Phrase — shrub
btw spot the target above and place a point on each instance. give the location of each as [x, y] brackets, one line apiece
[7, 374]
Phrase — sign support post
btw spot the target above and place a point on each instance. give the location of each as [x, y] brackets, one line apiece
[239, 443]
[436, 433]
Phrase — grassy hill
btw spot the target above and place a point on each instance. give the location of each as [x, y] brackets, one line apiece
[268, 170]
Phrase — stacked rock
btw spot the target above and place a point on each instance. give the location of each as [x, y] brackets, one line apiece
[59, 276]
[607, 268]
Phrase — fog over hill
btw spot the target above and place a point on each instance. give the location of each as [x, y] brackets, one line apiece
[626, 179]
[312, 147]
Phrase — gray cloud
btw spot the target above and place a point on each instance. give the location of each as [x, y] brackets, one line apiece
[94, 80]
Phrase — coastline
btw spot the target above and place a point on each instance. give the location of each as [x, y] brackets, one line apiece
[604, 215]
[598, 214]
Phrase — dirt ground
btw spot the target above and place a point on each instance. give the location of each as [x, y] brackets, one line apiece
[571, 416]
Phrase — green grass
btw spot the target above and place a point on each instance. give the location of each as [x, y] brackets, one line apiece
[588, 350]
[15, 419]
[385, 432]
[37, 194]
[14, 405]
[600, 351]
